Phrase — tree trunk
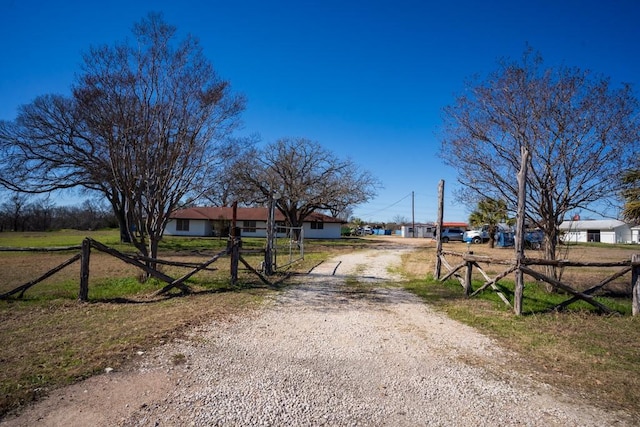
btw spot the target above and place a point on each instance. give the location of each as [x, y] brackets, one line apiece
[295, 222]
[124, 233]
[492, 236]
[550, 245]
[121, 217]
[153, 251]
[635, 286]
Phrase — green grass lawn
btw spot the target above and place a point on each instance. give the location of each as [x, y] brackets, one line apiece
[44, 239]
[111, 237]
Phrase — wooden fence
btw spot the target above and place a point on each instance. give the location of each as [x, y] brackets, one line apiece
[521, 265]
[233, 250]
[469, 261]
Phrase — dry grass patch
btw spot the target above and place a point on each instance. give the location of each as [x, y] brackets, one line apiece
[50, 343]
[21, 267]
[419, 263]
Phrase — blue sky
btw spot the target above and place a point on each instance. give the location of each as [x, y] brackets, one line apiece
[368, 80]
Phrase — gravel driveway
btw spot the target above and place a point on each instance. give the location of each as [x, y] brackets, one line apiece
[341, 349]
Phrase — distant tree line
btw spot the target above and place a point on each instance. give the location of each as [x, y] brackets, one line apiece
[18, 212]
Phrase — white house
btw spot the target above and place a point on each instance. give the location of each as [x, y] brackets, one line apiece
[252, 222]
[600, 230]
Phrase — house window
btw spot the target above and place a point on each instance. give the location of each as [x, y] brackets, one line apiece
[280, 228]
[317, 225]
[249, 226]
[182, 225]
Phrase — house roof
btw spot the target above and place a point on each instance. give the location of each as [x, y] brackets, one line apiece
[593, 224]
[455, 224]
[242, 214]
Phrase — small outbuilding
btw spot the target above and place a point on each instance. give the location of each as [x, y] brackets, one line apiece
[420, 230]
[428, 230]
[600, 230]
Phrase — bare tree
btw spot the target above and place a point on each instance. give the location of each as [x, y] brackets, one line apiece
[141, 128]
[41, 213]
[305, 176]
[24, 212]
[13, 209]
[345, 214]
[401, 220]
[578, 128]
[222, 188]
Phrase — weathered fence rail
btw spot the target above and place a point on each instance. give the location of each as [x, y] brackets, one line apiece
[470, 262]
[23, 288]
[52, 249]
[520, 265]
[233, 250]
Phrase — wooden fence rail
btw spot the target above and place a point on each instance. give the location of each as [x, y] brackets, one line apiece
[23, 288]
[520, 265]
[52, 249]
[470, 261]
[144, 263]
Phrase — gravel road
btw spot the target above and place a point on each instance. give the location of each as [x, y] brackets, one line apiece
[327, 352]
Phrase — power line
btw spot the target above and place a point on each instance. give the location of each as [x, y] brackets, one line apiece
[384, 209]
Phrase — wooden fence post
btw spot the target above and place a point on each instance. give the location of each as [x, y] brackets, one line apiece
[438, 269]
[234, 250]
[467, 278]
[84, 271]
[235, 258]
[635, 285]
[519, 241]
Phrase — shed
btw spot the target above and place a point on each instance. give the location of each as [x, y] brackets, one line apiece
[600, 230]
[420, 230]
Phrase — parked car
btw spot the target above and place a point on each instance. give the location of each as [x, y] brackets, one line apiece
[364, 231]
[532, 238]
[451, 234]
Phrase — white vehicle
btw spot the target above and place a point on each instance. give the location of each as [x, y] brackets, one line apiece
[478, 235]
[364, 231]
